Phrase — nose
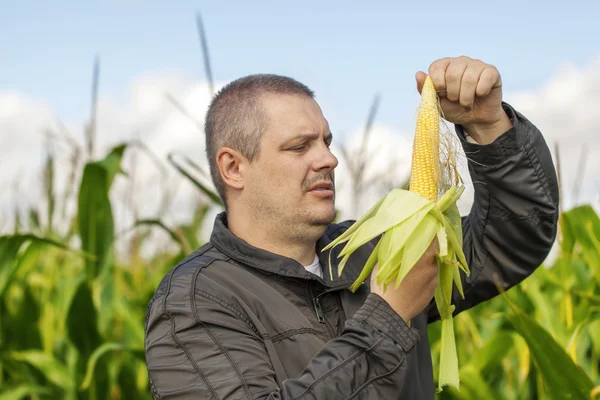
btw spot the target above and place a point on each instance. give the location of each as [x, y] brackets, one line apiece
[325, 159]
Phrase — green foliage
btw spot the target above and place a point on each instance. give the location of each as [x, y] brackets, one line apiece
[539, 340]
[72, 317]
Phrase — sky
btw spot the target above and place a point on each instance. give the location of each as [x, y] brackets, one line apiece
[548, 54]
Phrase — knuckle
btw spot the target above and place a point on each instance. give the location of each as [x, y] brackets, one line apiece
[470, 79]
[453, 74]
[465, 101]
[492, 72]
[434, 70]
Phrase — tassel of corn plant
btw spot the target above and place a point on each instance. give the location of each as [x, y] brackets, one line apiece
[409, 220]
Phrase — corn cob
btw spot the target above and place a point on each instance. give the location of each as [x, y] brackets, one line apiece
[409, 220]
[425, 171]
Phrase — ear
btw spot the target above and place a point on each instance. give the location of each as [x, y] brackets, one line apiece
[231, 165]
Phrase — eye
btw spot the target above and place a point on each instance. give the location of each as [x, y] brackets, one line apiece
[328, 140]
[298, 148]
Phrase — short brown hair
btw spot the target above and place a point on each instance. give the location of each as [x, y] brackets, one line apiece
[236, 119]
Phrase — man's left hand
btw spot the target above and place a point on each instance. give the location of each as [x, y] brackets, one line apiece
[470, 94]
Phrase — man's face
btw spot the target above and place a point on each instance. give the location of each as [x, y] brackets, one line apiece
[292, 181]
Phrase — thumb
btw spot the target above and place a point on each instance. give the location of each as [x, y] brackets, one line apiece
[420, 77]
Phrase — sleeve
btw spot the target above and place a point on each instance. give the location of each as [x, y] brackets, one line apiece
[513, 221]
[211, 351]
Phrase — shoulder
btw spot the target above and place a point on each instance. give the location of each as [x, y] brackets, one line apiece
[183, 272]
[205, 273]
[182, 279]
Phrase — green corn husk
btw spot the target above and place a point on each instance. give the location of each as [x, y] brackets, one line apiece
[408, 224]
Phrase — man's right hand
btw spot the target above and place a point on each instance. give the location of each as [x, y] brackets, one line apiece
[416, 289]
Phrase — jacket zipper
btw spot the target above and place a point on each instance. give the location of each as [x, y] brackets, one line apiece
[319, 310]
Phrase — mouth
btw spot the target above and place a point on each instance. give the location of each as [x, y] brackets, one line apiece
[322, 189]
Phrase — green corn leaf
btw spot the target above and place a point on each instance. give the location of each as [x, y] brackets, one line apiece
[21, 319]
[490, 356]
[452, 237]
[392, 209]
[391, 273]
[24, 391]
[385, 249]
[523, 356]
[568, 381]
[175, 236]
[582, 225]
[457, 278]
[52, 369]
[421, 239]
[367, 269]
[448, 198]
[401, 209]
[344, 237]
[95, 217]
[341, 265]
[442, 240]
[213, 196]
[9, 250]
[82, 321]
[594, 332]
[473, 381]
[448, 358]
[392, 253]
[445, 282]
[133, 379]
[134, 339]
[385, 253]
[453, 215]
[93, 360]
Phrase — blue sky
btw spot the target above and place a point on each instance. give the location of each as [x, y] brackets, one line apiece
[345, 50]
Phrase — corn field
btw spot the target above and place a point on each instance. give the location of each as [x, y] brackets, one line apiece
[72, 316]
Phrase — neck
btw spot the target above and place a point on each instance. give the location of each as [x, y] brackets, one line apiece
[270, 237]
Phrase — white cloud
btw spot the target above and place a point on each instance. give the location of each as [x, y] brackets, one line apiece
[146, 115]
[22, 122]
[565, 109]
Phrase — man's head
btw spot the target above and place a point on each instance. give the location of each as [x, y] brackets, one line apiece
[267, 144]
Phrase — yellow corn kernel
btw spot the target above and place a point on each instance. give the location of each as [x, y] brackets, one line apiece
[424, 175]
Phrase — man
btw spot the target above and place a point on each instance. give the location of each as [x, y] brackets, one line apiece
[252, 315]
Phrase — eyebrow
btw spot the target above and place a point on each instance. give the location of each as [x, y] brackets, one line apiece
[312, 136]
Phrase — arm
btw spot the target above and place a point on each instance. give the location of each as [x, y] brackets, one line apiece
[213, 353]
[513, 222]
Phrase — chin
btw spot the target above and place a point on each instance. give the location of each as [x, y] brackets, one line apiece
[324, 218]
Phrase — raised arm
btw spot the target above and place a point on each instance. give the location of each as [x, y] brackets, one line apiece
[513, 221]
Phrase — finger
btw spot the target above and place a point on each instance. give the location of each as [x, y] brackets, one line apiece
[454, 75]
[468, 84]
[420, 77]
[437, 72]
[489, 79]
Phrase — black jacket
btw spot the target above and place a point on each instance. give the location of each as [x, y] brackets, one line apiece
[235, 322]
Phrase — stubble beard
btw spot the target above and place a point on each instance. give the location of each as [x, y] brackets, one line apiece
[304, 224]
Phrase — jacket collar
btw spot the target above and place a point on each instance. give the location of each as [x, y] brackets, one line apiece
[240, 250]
